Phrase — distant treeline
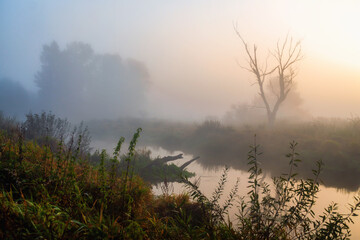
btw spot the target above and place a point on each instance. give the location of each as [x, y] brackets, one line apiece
[334, 141]
[77, 83]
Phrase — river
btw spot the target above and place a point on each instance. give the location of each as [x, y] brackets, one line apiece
[209, 180]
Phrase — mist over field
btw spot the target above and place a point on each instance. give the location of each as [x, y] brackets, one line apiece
[207, 80]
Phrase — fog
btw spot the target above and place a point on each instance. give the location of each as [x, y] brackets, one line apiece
[120, 65]
[187, 54]
[80, 84]
[179, 70]
[15, 100]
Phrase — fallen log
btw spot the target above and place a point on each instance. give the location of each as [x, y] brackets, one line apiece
[164, 160]
[182, 167]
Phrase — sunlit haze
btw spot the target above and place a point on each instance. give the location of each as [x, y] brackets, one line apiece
[268, 90]
[190, 48]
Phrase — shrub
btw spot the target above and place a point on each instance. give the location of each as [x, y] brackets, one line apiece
[283, 213]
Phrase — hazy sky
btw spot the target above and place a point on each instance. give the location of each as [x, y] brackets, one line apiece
[190, 47]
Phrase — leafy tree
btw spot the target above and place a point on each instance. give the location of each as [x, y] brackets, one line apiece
[79, 84]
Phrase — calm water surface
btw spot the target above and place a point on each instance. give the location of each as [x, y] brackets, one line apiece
[209, 180]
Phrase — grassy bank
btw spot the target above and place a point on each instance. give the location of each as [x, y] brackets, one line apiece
[60, 194]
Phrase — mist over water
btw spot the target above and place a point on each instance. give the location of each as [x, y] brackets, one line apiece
[220, 145]
[179, 71]
[184, 80]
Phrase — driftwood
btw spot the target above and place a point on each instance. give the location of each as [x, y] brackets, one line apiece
[161, 161]
[164, 160]
[182, 167]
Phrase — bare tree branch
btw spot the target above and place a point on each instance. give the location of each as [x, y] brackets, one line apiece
[286, 55]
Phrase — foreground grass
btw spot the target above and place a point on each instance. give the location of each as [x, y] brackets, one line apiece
[58, 195]
[47, 194]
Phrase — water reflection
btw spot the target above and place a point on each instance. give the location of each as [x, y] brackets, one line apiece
[336, 143]
[209, 179]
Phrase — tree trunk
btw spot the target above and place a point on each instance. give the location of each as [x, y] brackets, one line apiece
[271, 119]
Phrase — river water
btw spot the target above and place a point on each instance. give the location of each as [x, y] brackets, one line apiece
[209, 179]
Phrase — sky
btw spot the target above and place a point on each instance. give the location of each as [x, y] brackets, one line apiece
[191, 50]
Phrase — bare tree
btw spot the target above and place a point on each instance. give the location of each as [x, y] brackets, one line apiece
[285, 55]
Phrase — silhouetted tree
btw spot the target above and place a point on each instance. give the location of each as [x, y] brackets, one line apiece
[80, 84]
[285, 56]
[14, 99]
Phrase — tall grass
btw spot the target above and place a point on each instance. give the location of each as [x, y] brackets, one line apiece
[49, 193]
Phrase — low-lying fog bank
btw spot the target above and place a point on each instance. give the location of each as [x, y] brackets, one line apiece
[334, 141]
